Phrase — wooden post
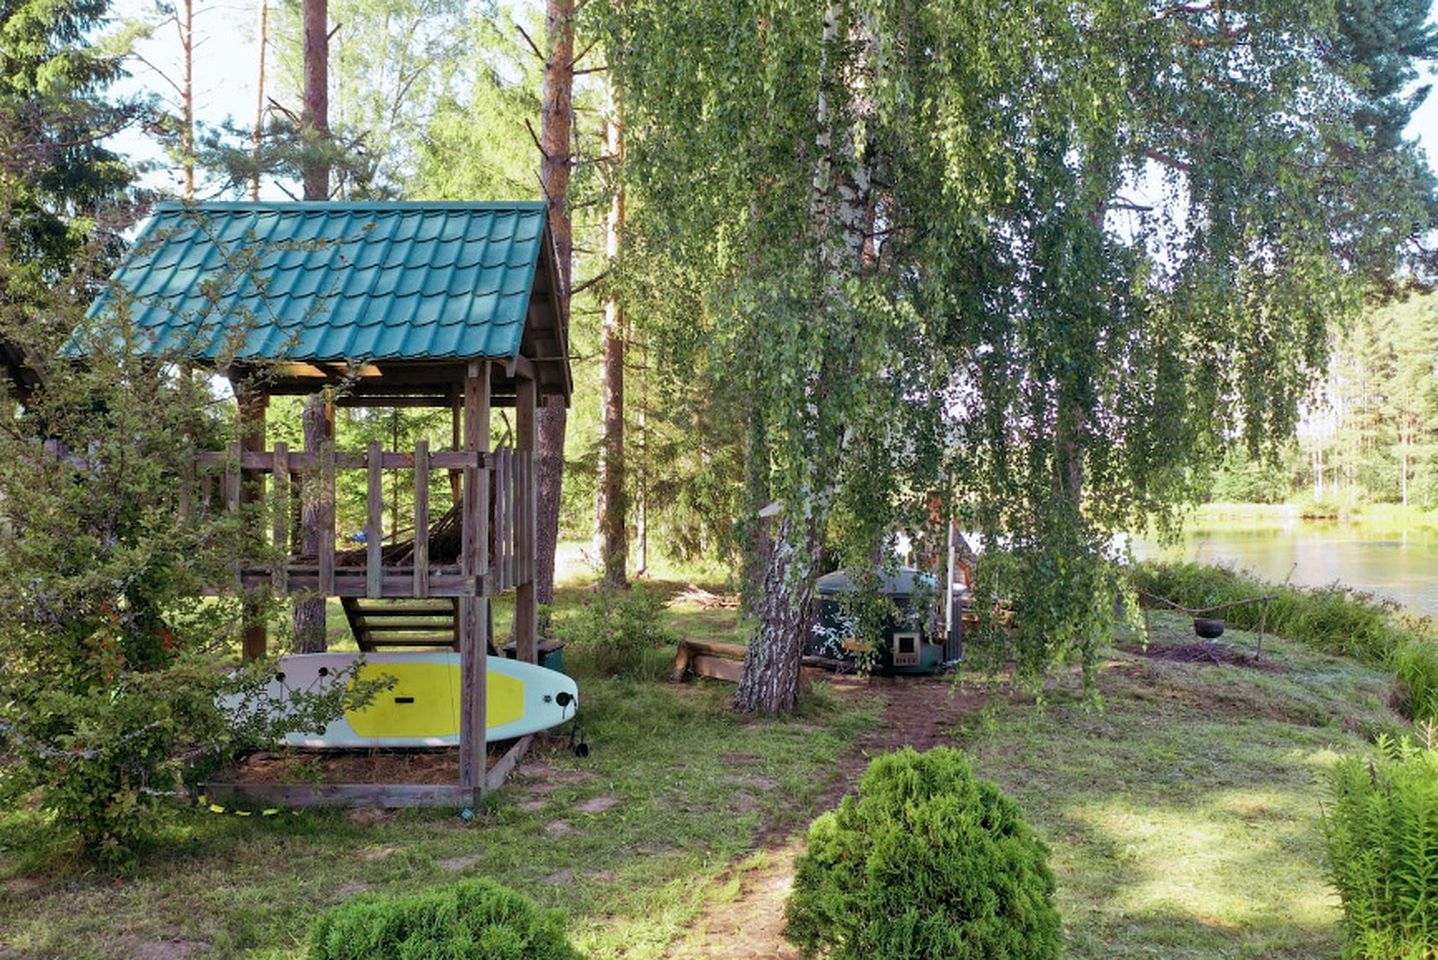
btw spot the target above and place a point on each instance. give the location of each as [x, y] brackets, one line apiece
[526, 611]
[421, 518]
[326, 516]
[456, 440]
[374, 523]
[252, 404]
[474, 610]
[282, 516]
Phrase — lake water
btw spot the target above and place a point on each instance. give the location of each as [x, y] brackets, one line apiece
[1400, 564]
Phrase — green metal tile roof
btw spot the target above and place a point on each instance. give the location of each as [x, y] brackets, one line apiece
[332, 281]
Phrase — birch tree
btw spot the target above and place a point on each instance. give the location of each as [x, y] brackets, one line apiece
[1063, 251]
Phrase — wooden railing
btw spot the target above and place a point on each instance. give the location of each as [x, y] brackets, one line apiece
[226, 480]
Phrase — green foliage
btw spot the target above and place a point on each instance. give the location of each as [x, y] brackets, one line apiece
[1415, 661]
[63, 189]
[928, 861]
[1382, 833]
[471, 920]
[1241, 478]
[1334, 619]
[114, 661]
[999, 312]
[616, 628]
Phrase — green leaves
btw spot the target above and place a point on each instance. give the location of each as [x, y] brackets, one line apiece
[1382, 833]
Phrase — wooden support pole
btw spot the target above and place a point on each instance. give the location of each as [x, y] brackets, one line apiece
[456, 440]
[526, 611]
[474, 611]
[374, 521]
[252, 404]
[421, 518]
[326, 516]
[282, 516]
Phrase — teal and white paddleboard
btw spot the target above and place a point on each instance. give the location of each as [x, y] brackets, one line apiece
[422, 708]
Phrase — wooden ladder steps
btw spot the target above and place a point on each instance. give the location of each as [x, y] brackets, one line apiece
[408, 623]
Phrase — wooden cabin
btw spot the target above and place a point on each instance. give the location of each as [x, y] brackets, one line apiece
[448, 305]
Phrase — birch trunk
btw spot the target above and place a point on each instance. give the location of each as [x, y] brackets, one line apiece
[839, 206]
[557, 125]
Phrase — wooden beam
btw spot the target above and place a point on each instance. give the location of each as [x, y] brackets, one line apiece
[474, 611]
[251, 404]
[494, 779]
[282, 512]
[374, 520]
[421, 518]
[290, 795]
[327, 519]
[526, 611]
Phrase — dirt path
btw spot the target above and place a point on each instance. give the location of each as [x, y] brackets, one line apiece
[748, 924]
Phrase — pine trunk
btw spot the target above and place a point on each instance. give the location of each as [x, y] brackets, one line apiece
[315, 116]
[187, 135]
[612, 527]
[557, 124]
[309, 616]
[257, 135]
[310, 626]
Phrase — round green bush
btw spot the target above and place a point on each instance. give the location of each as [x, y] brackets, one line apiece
[928, 861]
[471, 920]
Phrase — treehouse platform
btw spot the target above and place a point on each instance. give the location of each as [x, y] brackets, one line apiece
[444, 305]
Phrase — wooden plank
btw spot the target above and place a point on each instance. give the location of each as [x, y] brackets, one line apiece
[326, 585]
[717, 668]
[374, 522]
[397, 587]
[474, 611]
[436, 608]
[252, 796]
[511, 470]
[383, 625]
[373, 642]
[495, 778]
[501, 515]
[232, 478]
[526, 610]
[259, 461]
[734, 651]
[251, 490]
[281, 519]
[421, 518]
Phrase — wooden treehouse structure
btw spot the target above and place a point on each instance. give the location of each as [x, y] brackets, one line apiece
[446, 305]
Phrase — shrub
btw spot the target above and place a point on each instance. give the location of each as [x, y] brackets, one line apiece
[928, 861]
[472, 920]
[616, 629]
[1382, 834]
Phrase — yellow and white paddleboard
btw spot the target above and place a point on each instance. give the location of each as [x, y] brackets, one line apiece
[422, 708]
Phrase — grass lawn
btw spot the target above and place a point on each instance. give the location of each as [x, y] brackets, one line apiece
[1182, 817]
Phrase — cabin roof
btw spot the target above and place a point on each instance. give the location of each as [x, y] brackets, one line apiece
[401, 285]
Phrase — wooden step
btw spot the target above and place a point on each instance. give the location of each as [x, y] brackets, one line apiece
[380, 624]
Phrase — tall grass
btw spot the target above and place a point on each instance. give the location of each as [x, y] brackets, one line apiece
[1333, 619]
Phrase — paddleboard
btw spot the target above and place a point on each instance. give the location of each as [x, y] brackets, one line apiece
[422, 708]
